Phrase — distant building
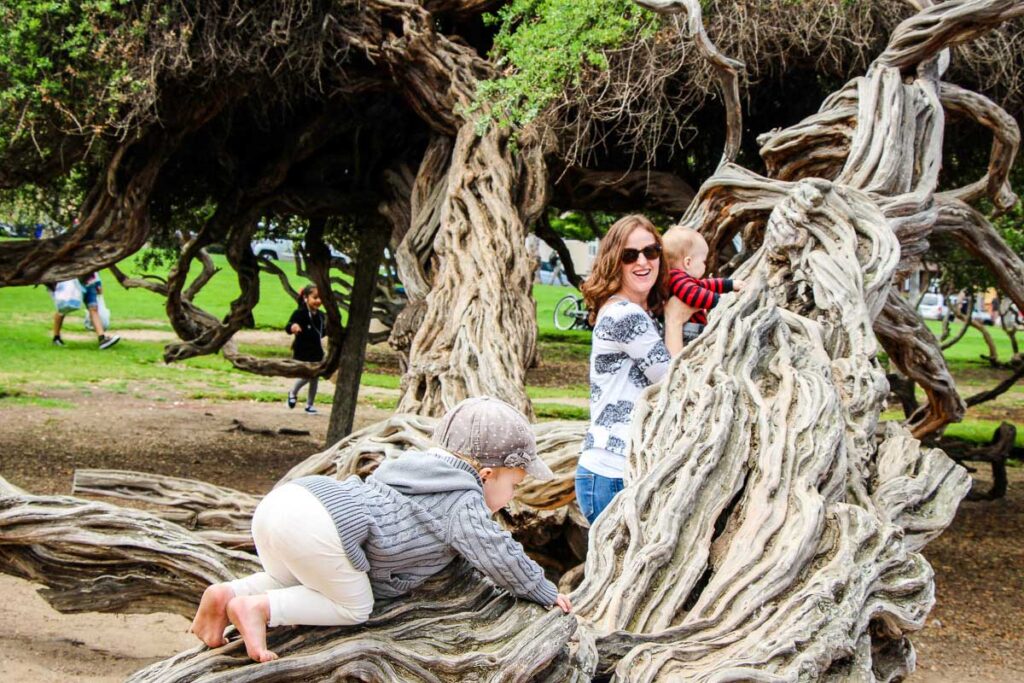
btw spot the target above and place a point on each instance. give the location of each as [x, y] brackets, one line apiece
[582, 253]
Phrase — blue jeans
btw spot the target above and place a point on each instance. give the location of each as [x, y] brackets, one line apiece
[91, 295]
[594, 492]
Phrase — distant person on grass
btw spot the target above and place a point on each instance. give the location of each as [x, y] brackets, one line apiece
[307, 324]
[328, 547]
[91, 290]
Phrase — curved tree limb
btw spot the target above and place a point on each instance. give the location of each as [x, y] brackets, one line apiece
[975, 233]
[914, 349]
[1005, 142]
[726, 69]
[218, 514]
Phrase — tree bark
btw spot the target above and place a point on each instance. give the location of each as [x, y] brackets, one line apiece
[357, 329]
[917, 353]
[218, 514]
[94, 557]
[482, 283]
[115, 221]
[729, 528]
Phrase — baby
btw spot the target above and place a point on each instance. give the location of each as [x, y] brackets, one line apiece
[686, 252]
[329, 547]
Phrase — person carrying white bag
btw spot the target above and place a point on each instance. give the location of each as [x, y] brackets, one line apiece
[69, 295]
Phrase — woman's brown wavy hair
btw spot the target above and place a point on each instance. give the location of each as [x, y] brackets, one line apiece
[604, 279]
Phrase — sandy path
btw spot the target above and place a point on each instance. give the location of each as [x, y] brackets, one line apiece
[40, 645]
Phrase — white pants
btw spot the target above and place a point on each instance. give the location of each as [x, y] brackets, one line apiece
[307, 576]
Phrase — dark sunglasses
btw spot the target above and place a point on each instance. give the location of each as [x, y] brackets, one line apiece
[650, 252]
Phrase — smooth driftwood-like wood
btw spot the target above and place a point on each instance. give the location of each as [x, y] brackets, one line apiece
[218, 514]
[455, 628]
[883, 133]
[95, 557]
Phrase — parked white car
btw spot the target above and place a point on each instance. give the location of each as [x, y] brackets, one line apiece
[979, 314]
[284, 250]
[933, 307]
[274, 250]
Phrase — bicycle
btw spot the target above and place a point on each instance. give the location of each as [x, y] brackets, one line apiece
[571, 313]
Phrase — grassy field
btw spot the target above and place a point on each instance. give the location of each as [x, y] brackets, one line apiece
[33, 371]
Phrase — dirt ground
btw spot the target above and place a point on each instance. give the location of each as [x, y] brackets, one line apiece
[974, 632]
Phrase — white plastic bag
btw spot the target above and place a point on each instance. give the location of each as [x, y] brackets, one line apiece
[67, 296]
[101, 308]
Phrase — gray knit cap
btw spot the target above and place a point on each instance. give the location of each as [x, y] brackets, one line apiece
[494, 433]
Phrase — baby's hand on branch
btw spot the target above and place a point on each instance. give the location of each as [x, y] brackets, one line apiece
[739, 285]
[563, 601]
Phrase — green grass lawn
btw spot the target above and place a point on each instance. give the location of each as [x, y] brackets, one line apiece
[31, 365]
[137, 308]
[968, 352]
[32, 369]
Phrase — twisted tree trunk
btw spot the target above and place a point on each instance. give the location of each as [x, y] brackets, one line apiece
[770, 529]
[762, 532]
[482, 284]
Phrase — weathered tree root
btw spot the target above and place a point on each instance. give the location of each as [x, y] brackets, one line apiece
[455, 628]
[218, 514]
[996, 452]
[95, 557]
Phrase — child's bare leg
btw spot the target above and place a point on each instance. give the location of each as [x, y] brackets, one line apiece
[212, 616]
[97, 322]
[250, 614]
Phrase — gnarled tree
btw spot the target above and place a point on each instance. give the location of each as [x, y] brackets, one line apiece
[771, 527]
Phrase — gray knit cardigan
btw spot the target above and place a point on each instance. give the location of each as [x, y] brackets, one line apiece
[411, 517]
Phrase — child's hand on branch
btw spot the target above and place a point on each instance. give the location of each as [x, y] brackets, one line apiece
[739, 285]
[563, 601]
[295, 328]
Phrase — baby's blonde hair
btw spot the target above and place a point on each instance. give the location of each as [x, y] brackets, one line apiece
[679, 242]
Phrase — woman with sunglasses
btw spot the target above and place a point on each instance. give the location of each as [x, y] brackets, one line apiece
[626, 288]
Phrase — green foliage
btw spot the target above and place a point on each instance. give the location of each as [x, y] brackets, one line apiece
[55, 205]
[67, 64]
[581, 225]
[544, 45]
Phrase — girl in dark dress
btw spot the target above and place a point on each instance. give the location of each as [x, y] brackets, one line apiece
[307, 324]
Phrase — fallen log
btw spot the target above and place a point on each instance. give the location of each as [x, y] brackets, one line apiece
[217, 513]
[95, 557]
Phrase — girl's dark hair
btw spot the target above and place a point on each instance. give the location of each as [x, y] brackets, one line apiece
[306, 291]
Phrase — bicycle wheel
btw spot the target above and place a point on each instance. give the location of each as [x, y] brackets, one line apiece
[567, 312]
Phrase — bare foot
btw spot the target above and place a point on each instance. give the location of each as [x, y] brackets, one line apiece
[250, 614]
[212, 616]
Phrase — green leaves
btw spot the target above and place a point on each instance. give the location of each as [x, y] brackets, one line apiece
[66, 65]
[546, 45]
